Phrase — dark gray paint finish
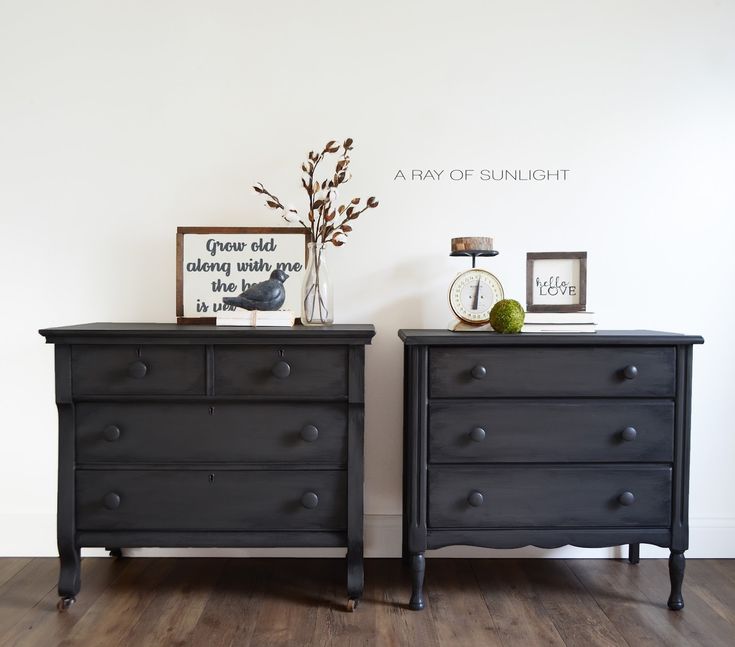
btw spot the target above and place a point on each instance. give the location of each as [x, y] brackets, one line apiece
[160, 333]
[212, 431]
[260, 471]
[564, 414]
[443, 337]
[547, 537]
[547, 372]
[551, 430]
[251, 370]
[213, 538]
[210, 500]
[546, 496]
[106, 370]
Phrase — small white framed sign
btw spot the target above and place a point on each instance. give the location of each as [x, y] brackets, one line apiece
[216, 262]
[556, 281]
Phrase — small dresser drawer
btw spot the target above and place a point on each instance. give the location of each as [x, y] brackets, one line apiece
[531, 431]
[281, 370]
[210, 500]
[552, 372]
[230, 432]
[138, 370]
[542, 496]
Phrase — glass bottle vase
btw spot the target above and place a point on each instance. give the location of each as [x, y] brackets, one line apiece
[316, 294]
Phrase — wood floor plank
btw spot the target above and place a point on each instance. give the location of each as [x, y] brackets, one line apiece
[9, 566]
[291, 596]
[459, 596]
[229, 615]
[383, 617]
[514, 603]
[24, 590]
[617, 586]
[339, 628]
[113, 613]
[714, 579]
[396, 624]
[45, 626]
[574, 612]
[698, 622]
[178, 602]
[273, 602]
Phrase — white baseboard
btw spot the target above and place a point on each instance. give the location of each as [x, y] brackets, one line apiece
[34, 535]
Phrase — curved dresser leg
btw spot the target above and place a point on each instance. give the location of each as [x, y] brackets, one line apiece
[69, 576]
[418, 566]
[634, 553]
[676, 573]
[355, 579]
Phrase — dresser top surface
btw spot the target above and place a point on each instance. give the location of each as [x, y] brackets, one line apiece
[109, 332]
[439, 337]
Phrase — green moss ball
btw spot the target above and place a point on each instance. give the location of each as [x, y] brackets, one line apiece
[507, 316]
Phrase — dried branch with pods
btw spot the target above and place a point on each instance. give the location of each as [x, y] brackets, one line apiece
[326, 221]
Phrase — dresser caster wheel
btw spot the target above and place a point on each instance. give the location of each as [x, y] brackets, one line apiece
[115, 552]
[352, 604]
[64, 603]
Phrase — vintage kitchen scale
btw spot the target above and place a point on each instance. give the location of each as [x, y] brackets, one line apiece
[474, 292]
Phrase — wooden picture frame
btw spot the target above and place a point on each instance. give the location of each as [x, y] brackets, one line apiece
[557, 293]
[262, 256]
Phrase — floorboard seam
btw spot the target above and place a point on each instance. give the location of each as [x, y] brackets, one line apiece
[599, 606]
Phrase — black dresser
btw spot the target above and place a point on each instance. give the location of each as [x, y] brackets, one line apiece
[546, 440]
[204, 436]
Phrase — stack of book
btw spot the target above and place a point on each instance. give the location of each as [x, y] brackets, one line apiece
[257, 318]
[560, 322]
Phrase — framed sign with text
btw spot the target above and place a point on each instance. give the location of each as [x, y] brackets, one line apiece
[556, 281]
[216, 262]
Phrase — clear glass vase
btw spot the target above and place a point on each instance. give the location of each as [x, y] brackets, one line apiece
[316, 294]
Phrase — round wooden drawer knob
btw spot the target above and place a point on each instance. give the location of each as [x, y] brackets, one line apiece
[310, 500]
[629, 433]
[626, 498]
[475, 499]
[478, 372]
[477, 434]
[111, 501]
[309, 433]
[138, 369]
[630, 372]
[281, 370]
[111, 433]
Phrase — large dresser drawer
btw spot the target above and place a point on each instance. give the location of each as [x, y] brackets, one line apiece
[530, 431]
[138, 432]
[138, 370]
[546, 496]
[283, 371]
[210, 500]
[552, 372]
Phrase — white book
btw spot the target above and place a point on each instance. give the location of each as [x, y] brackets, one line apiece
[561, 318]
[559, 328]
[255, 318]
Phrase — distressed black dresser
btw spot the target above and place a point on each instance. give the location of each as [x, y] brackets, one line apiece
[546, 440]
[204, 436]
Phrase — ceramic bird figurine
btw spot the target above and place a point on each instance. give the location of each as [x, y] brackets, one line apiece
[267, 295]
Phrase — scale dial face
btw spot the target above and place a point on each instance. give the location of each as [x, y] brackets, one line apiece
[473, 294]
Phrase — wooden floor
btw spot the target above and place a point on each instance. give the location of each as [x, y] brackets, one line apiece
[295, 602]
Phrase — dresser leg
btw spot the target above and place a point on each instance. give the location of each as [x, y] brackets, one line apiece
[355, 579]
[676, 573]
[634, 553]
[418, 567]
[69, 576]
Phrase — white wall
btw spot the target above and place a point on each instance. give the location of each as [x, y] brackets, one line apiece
[120, 121]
